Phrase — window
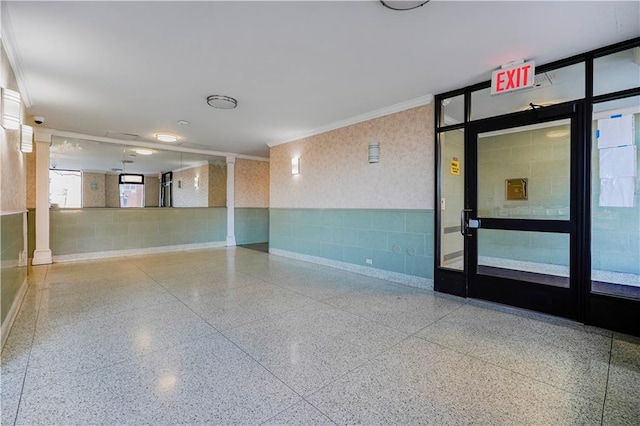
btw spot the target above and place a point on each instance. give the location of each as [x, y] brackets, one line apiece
[65, 188]
[131, 195]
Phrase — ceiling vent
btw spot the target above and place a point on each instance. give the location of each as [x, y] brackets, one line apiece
[544, 79]
[123, 136]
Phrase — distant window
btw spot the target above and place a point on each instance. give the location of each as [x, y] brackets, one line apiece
[131, 195]
[65, 188]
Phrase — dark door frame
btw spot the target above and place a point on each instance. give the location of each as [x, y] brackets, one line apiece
[540, 297]
[603, 310]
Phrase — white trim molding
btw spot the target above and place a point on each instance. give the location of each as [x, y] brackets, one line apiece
[231, 202]
[392, 109]
[135, 252]
[13, 54]
[147, 144]
[396, 277]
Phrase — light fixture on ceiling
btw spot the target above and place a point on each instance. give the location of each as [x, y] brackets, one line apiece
[295, 166]
[142, 151]
[183, 122]
[166, 138]
[222, 102]
[11, 109]
[26, 138]
[402, 5]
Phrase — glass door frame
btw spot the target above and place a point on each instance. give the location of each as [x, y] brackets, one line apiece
[553, 300]
[603, 310]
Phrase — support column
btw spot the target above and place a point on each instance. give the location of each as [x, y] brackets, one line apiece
[231, 202]
[42, 253]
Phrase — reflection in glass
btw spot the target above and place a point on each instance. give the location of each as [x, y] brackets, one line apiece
[615, 229]
[452, 202]
[197, 180]
[131, 195]
[65, 188]
[523, 173]
[538, 257]
[615, 72]
[553, 87]
[452, 111]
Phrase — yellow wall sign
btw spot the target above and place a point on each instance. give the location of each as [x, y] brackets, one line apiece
[455, 166]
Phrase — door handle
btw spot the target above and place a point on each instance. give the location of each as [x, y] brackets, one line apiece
[463, 222]
[466, 224]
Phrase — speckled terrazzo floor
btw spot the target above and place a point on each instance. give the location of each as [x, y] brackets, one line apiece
[235, 336]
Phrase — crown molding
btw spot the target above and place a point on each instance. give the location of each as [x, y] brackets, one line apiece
[193, 166]
[15, 60]
[392, 109]
[142, 144]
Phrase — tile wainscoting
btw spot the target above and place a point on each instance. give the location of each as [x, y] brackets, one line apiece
[252, 225]
[82, 231]
[396, 241]
[13, 275]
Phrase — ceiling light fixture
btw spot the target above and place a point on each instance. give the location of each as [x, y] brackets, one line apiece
[166, 138]
[221, 102]
[183, 122]
[144, 151]
[401, 5]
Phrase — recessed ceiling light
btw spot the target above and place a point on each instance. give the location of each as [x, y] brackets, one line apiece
[222, 102]
[183, 122]
[144, 151]
[167, 138]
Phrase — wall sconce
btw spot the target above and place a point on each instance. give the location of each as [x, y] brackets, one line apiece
[196, 182]
[295, 166]
[374, 152]
[26, 138]
[11, 109]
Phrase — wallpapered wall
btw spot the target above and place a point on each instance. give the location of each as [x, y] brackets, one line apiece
[13, 177]
[112, 195]
[151, 191]
[185, 193]
[31, 177]
[335, 172]
[93, 190]
[217, 185]
[251, 183]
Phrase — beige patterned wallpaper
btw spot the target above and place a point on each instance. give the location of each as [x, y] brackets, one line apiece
[13, 176]
[31, 178]
[335, 172]
[217, 185]
[185, 192]
[151, 191]
[251, 183]
[112, 190]
[93, 190]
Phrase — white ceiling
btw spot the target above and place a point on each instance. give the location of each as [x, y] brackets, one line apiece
[139, 67]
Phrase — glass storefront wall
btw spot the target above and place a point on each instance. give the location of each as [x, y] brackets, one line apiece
[452, 198]
[615, 211]
[602, 205]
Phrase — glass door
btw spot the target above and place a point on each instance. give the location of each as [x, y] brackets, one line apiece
[519, 224]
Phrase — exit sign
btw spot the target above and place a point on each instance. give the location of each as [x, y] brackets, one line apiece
[513, 77]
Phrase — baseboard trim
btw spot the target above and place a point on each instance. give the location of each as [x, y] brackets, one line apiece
[13, 312]
[135, 252]
[396, 277]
